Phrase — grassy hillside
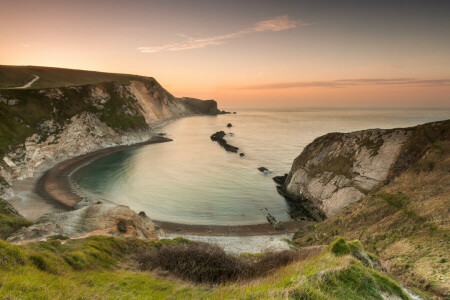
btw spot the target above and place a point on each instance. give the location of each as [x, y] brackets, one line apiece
[14, 76]
[406, 222]
[108, 268]
[10, 220]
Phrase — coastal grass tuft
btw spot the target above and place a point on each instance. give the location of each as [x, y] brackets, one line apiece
[340, 247]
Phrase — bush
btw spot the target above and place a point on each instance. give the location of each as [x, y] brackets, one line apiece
[340, 247]
[205, 263]
[196, 262]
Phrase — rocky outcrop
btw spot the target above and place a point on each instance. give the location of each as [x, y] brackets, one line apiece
[98, 219]
[338, 169]
[219, 137]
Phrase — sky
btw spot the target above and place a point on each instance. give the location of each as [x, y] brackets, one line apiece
[264, 53]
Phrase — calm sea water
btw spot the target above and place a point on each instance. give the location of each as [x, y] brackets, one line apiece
[193, 180]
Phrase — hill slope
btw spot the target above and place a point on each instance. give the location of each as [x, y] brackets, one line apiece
[405, 219]
[106, 268]
[15, 76]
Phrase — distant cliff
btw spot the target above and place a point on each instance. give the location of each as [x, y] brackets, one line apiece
[69, 112]
[338, 169]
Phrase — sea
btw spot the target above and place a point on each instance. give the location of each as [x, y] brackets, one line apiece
[192, 180]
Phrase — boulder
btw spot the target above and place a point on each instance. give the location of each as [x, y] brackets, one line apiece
[229, 125]
[97, 219]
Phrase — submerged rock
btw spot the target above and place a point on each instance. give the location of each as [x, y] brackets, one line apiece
[219, 137]
[264, 170]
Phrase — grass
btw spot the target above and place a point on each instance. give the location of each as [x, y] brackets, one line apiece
[109, 269]
[10, 220]
[14, 76]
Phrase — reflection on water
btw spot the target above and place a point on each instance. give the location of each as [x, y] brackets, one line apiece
[193, 180]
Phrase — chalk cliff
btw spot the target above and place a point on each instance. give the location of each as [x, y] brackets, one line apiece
[338, 169]
[59, 122]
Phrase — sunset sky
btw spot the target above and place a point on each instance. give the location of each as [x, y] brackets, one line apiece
[263, 53]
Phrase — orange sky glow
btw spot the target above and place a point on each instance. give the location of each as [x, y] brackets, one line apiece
[246, 54]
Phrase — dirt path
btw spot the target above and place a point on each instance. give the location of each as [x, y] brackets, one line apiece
[28, 84]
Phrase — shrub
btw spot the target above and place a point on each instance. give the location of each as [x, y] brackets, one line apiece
[340, 247]
[197, 262]
[205, 263]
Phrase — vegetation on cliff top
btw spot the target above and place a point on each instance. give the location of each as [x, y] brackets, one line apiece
[406, 222]
[15, 76]
[104, 267]
[10, 220]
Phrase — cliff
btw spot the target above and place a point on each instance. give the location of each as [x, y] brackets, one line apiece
[339, 169]
[70, 112]
[402, 216]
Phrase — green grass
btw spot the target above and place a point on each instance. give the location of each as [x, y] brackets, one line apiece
[14, 76]
[105, 268]
[340, 247]
[10, 220]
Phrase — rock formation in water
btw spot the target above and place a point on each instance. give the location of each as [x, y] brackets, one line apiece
[219, 137]
[338, 169]
[98, 219]
[64, 119]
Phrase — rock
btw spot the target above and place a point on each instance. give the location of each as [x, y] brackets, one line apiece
[264, 170]
[234, 112]
[97, 219]
[9, 162]
[219, 137]
[275, 246]
[338, 169]
[241, 154]
[121, 226]
[229, 125]
[280, 179]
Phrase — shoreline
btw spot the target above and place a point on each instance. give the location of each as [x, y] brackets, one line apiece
[55, 188]
[54, 184]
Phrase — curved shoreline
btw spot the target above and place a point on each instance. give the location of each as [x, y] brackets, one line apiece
[54, 186]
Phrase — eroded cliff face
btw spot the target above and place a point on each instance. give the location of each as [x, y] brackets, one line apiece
[338, 169]
[57, 123]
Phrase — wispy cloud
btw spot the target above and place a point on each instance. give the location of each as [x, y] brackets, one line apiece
[340, 83]
[276, 24]
[26, 45]
[380, 67]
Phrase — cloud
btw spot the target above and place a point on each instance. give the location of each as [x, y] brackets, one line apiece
[340, 83]
[276, 24]
[26, 45]
[380, 67]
